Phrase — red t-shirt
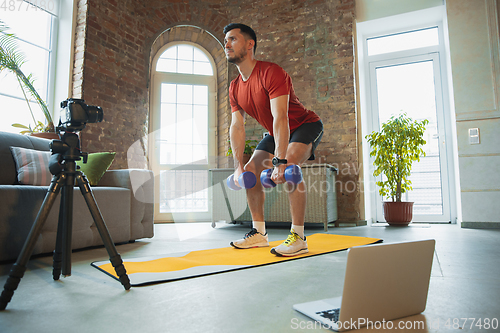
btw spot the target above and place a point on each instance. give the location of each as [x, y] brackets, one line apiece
[266, 82]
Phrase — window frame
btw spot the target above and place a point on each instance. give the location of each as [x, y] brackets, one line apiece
[408, 22]
[154, 126]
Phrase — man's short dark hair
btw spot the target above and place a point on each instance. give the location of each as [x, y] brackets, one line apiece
[245, 29]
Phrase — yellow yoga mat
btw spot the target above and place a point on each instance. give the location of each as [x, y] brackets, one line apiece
[164, 268]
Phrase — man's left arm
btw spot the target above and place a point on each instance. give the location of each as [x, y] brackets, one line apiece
[281, 129]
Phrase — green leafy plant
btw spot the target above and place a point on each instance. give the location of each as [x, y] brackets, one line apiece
[398, 144]
[11, 59]
[249, 147]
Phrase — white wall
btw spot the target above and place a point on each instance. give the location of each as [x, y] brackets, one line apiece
[474, 49]
[367, 10]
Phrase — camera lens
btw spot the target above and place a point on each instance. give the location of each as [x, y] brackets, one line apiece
[94, 114]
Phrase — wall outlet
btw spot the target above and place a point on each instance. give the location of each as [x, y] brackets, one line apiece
[474, 136]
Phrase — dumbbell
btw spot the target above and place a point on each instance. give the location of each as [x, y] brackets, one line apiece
[293, 175]
[246, 180]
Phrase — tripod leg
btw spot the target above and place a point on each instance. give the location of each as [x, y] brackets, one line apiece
[114, 256]
[67, 225]
[18, 269]
[57, 257]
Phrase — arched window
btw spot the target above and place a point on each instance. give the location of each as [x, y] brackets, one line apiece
[183, 121]
[184, 59]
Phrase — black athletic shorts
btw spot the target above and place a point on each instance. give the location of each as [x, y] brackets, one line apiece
[305, 133]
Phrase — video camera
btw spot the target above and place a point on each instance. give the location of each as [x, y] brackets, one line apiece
[75, 114]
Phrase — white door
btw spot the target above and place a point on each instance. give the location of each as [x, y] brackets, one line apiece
[412, 85]
[183, 124]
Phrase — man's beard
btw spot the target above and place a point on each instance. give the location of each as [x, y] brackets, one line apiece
[237, 58]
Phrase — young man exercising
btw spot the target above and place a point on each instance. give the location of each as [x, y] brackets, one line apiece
[264, 91]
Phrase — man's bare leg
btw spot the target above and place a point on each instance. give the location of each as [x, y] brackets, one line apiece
[256, 196]
[296, 242]
[297, 154]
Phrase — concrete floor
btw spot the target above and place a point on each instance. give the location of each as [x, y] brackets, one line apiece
[465, 283]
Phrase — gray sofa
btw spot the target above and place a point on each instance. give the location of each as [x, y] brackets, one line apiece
[126, 209]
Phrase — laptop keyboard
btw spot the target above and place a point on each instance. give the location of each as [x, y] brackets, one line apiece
[332, 315]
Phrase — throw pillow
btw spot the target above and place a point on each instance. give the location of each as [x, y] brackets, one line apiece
[32, 166]
[96, 166]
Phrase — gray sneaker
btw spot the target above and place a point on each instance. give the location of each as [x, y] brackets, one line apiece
[251, 239]
[293, 246]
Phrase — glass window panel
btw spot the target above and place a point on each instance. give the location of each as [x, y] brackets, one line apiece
[200, 124]
[185, 131]
[170, 53]
[183, 191]
[425, 180]
[168, 119]
[184, 113]
[184, 59]
[36, 63]
[410, 88]
[167, 153]
[200, 96]
[16, 111]
[427, 209]
[166, 65]
[16, 21]
[425, 196]
[184, 94]
[184, 154]
[9, 84]
[426, 164]
[34, 41]
[403, 41]
[199, 55]
[199, 154]
[203, 68]
[185, 52]
[168, 93]
[184, 67]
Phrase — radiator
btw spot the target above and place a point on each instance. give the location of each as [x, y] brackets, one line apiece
[231, 206]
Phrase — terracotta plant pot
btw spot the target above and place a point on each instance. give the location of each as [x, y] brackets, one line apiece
[398, 213]
[46, 135]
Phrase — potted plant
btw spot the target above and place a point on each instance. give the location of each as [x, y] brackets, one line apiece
[398, 144]
[11, 59]
[247, 153]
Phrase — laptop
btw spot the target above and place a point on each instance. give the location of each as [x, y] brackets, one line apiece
[383, 282]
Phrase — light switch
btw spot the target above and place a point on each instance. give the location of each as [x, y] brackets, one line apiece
[474, 136]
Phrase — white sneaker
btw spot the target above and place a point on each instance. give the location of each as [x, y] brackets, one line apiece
[251, 239]
[293, 246]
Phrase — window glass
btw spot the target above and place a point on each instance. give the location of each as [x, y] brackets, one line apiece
[34, 42]
[184, 59]
[403, 41]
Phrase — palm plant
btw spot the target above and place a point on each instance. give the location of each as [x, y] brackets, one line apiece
[11, 59]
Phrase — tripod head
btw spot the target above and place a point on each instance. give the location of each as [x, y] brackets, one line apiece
[74, 116]
[65, 151]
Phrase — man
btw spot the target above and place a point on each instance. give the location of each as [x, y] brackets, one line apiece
[264, 91]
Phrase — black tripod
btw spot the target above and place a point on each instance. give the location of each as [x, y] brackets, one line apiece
[65, 153]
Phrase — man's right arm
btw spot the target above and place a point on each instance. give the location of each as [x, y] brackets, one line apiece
[237, 137]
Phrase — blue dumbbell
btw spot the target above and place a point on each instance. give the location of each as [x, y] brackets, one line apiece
[246, 180]
[293, 175]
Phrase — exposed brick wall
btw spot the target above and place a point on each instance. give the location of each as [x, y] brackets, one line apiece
[80, 36]
[116, 65]
[311, 39]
